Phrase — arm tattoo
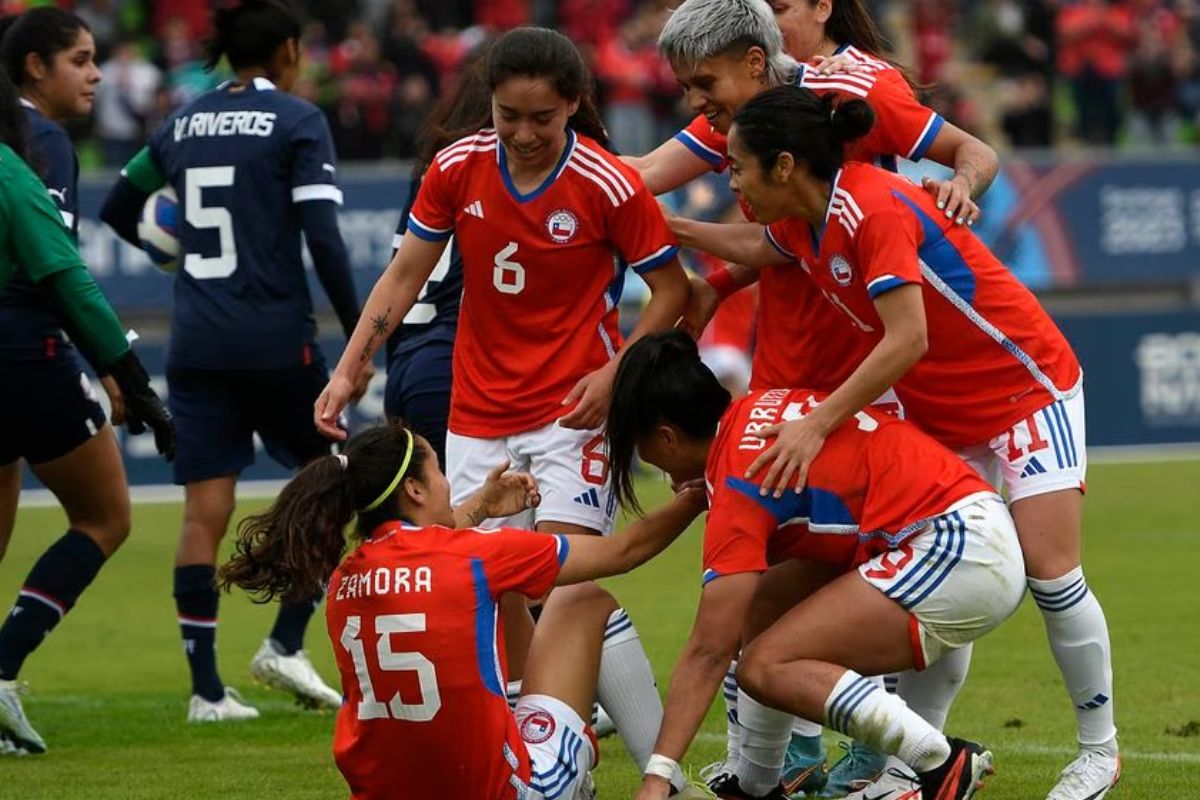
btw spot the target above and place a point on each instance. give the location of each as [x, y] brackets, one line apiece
[379, 327]
[476, 516]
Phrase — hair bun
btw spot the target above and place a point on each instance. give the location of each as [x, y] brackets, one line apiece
[850, 119]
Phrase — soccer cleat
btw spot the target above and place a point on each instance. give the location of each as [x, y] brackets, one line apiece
[805, 771]
[959, 775]
[293, 674]
[861, 766]
[691, 791]
[9, 748]
[230, 707]
[893, 784]
[727, 787]
[14, 722]
[1088, 777]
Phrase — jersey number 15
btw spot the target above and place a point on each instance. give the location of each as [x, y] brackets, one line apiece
[387, 626]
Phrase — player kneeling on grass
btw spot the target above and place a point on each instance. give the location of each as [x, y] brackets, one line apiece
[412, 614]
[931, 562]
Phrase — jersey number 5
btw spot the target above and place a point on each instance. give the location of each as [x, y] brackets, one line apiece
[387, 625]
[202, 217]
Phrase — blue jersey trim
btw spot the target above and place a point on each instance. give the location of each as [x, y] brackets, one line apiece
[941, 256]
[710, 575]
[926, 141]
[655, 260]
[705, 154]
[502, 160]
[564, 549]
[485, 631]
[884, 284]
[788, 254]
[428, 234]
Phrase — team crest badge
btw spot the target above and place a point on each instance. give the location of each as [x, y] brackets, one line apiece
[538, 727]
[840, 267]
[562, 226]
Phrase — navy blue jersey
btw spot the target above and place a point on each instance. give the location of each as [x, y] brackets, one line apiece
[29, 324]
[241, 159]
[434, 317]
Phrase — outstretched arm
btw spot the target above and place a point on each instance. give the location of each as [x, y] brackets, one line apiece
[668, 166]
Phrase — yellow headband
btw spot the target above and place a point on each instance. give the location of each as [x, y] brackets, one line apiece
[399, 474]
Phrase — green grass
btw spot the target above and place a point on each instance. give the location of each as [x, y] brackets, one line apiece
[109, 688]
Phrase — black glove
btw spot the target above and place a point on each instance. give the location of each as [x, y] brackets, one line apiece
[143, 408]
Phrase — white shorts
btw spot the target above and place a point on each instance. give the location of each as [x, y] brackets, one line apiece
[959, 577]
[562, 750]
[1045, 452]
[570, 466]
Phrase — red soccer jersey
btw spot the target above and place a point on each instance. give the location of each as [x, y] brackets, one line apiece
[801, 340]
[412, 614]
[994, 356]
[542, 273]
[877, 480]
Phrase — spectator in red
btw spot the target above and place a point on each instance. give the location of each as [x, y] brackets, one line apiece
[625, 66]
[1095, 41]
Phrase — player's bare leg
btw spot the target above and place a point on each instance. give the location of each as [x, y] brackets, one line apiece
[564, 656]
[89, 483]
[10, 496]
[1049, 527]
[208, 507]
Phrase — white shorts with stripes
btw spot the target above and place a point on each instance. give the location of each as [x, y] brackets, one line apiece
[959, 577]
[561, 749]
[1045, 452]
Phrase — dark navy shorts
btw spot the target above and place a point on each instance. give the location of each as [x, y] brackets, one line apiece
[218, 411]
[49, 407]
[418, 391]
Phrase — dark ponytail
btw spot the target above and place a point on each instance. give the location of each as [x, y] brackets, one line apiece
[661, 379]
[850, 23]
[249, 32]
[815, 130]
[44, 31]
[14, 131]
[290, 550]
[543, 53]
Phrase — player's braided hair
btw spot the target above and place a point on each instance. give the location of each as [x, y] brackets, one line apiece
[290, 550]
[544, 53]
[661, 379]
[815, 130]
[248, 33]
[44, 32]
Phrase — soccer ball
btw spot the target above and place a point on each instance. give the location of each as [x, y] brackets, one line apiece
[158, 229]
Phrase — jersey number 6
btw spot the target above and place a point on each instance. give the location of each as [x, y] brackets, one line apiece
[508, 276]
[386, 625]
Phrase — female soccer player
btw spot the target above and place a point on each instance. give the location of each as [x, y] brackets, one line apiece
[974, 358]
[46, 287]
[546, 220]
[940, 566]
[253, 167]
[412, 615]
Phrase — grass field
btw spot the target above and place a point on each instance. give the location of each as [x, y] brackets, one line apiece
[109, 688]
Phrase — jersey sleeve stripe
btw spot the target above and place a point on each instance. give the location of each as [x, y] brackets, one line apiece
[775, 243]
[602, 164]
[465, 146]
[316, 191]
[596, 179]
[428, 232]
[562, 546]
[463, 155]
[700, 150]
[487, 654]
[864, 81]
[621, 187]
[834, 84]
[884, 283]
[655, 259]
[925, 140]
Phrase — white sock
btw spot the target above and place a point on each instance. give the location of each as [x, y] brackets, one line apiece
[931, 691]
[805, 728]
[512, 692]
[765, 735]
[733, 728]
[627, 691]
[1078, 636]
[862, 710]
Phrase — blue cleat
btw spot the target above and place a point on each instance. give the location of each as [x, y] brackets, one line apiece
[805, 769]
[859, 767]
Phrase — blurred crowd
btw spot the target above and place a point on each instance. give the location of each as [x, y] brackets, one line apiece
[1024, 73]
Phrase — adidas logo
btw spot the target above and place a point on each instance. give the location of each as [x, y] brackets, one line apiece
[475, 209]
[1034, 467]
[590, 498]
